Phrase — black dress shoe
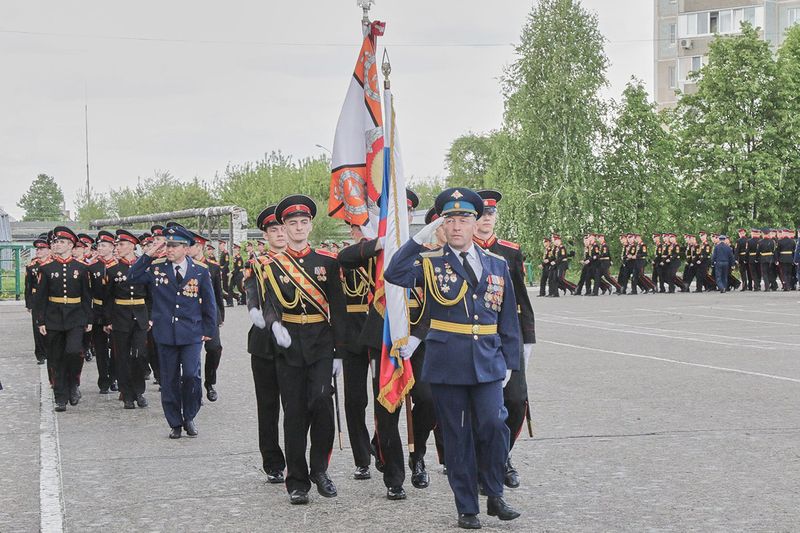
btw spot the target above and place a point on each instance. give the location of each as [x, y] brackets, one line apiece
[324, 484]
[103, 391]
[362, 472]
[419, 475]
[211, 394]
[298, 497]
[468, 521]
[395, 493]
[128, 404]
[275, 477]
[190, 427]
[141, 401]
[74, 396]
[175, 433]
[114, 386]
[61, 407]
[444, 470]
[496, 506]
[511, 478]
[40, 361]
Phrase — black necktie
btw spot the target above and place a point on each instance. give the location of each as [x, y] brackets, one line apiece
[473, 279]
[178, 276]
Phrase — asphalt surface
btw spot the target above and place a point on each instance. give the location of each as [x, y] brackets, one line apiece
[651, 412]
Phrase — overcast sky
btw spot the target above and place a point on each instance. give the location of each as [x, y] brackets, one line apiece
[189, 86]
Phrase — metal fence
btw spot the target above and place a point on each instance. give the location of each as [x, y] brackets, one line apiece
[13, 258]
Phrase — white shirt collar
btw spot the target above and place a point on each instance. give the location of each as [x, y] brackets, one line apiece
[184, 266]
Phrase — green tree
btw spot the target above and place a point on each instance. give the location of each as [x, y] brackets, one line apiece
[254, 186]
[427, 189]
[159, 194]
[469, 160]
[546, 163]
[788, 124]
[43, 201]
[92, 208]
[638, 189]
[727, 131]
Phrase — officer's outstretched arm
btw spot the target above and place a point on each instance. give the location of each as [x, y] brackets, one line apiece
[405, 270]
[140, 271]
[508, 325]
[358, 254]
[208, 308]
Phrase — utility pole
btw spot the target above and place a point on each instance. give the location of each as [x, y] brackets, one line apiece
[86, 126]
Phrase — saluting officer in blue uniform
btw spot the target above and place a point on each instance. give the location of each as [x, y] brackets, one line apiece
[184, 316]
[470, 350]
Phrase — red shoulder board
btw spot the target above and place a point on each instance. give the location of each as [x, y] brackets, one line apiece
[508, 244]
[326, 253]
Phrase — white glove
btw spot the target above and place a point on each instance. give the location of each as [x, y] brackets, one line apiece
[337, 368]
[527, 350]
[282, 336]
[408, 350]
[426, 233]
[507, 378]
[257, 318]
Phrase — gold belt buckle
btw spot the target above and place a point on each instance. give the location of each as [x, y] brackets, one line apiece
[304, 319]
[476, 329]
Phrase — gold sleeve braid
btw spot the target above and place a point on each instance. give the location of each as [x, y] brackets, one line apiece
[259, 270]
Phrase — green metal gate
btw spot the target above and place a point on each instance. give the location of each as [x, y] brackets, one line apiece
[13, 258]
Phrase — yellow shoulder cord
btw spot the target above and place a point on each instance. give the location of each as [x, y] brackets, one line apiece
[361, 288]
[432, 288]
[421, 309]
[278, 294]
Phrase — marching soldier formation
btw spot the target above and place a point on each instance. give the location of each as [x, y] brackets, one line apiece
[757, 263]
[146, 305]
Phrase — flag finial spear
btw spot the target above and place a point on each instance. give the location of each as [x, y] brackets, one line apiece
[386, 68]
[365, 5]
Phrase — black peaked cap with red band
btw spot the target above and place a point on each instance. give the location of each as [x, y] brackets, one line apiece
[295, 205]
[125, 235]
[267, 218]
[63, 232]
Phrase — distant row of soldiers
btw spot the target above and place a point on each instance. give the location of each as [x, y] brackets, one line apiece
[83, 305]
[710, 262]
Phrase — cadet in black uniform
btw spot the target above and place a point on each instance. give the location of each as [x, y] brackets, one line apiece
[146, 242]
[604, 264]
[225, 270]
[62, 306]
[515, 393]
[358, 285]
[752, 258]
[42, 246]
[389, 444]
[766, 260]
[214, 346]
[586, 268]
[262, 348]
[545, 266]
[237, 276]
[99, 338]
[740, 252]
[306, 288]
[126, 314]
[785, 252]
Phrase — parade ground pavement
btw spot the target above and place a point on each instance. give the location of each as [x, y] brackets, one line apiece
[650, 413]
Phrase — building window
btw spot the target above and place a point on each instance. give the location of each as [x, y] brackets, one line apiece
[793, 16]
[672, 77]
[673, 33]
[697, 63]
[724, 21]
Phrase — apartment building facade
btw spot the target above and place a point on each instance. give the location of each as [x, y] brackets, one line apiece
[685, 28]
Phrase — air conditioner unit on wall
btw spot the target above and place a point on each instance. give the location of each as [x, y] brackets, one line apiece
[686, 44]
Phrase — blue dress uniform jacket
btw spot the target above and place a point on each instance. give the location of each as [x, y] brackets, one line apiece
[477, 353]
[182, 314]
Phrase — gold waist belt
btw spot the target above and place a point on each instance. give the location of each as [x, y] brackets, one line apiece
[64, 300]
[357, 308]
[464, 329]
[129, 301]
[302, 319]
[95, 301]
